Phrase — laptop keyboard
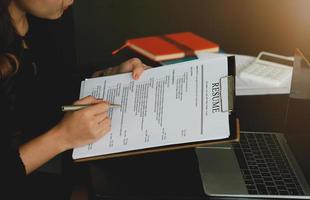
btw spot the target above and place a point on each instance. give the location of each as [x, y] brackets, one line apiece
[264, 166]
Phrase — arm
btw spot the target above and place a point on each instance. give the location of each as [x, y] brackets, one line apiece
[40, 150]
[76, 129]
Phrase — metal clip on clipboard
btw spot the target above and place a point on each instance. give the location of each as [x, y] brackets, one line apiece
[230, 80]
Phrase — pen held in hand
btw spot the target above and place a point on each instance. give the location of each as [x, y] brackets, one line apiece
[79, 107]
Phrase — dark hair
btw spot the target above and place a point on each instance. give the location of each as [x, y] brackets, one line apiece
[7, 36]
[7, 30]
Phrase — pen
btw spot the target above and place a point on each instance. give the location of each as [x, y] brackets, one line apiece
[79, 107]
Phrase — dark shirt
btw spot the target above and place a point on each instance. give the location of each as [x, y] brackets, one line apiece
[11, 91]
[30, 100]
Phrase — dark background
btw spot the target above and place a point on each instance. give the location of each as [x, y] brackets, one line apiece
[239, 26]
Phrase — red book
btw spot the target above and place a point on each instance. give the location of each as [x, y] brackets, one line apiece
[171, 46]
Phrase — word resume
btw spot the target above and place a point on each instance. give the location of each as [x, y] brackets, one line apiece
[169, 105]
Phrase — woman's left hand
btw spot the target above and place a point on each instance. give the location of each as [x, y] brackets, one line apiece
[134, 65]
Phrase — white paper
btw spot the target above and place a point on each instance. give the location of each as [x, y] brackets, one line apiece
[173, 104]
[248, 87]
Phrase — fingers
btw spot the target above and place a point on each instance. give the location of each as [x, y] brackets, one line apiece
[128, 65]
[98, 73]
[133, 65]
[101, 117]
[102, 124]
[98, 108]
[138, 70]
[99, 104]
[104, 127]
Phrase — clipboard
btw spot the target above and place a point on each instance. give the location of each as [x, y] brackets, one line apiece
[233, 124]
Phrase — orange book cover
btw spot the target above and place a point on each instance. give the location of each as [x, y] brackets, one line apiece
[194, 42]
[171, 46]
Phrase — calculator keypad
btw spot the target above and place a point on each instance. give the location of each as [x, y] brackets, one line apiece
[274, 75]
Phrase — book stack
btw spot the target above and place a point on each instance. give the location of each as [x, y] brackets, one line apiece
[171, 47]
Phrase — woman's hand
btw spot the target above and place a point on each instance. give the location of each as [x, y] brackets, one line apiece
[134, 65]
[76, 129]
[85, 126]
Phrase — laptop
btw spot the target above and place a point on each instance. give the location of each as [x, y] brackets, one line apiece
[260, 165]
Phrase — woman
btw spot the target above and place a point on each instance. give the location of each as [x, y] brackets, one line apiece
[19, 79]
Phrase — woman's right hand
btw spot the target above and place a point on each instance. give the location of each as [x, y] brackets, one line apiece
[84, 126]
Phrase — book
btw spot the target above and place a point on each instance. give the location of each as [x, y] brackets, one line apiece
[171, 46]
[170, 107]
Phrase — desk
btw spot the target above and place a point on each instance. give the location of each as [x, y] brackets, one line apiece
[141, 177]
[175, 174]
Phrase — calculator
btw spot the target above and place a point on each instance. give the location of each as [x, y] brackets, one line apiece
[274, 72]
